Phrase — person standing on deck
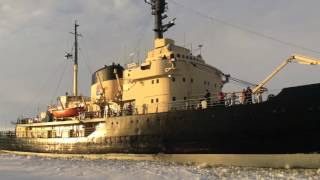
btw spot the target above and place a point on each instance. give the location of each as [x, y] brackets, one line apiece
[221, 98]
[233, 98]
[207, 96]
[248, 96]
[242, 96]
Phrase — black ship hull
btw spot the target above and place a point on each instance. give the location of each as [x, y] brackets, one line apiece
[288, 123]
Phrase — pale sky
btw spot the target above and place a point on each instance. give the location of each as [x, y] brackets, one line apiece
[34, 36]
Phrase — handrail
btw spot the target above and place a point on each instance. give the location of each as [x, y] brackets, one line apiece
[229, 99]
[7, 133]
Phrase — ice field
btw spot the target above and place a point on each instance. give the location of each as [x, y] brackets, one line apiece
[14, 167]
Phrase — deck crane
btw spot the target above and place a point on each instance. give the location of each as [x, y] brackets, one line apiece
[295, 58]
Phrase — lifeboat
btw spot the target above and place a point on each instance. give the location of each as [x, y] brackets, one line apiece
[68, 112]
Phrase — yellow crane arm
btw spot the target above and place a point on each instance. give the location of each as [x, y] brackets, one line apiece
[265, 81]
[305, 60]
[118, 81]
[295, 58]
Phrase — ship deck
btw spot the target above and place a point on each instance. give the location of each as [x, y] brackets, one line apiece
[61, 123]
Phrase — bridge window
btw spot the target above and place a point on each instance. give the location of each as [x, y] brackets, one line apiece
[157, 80]
[152, 82]
[157, 100]
[152, 100]
[145, 67]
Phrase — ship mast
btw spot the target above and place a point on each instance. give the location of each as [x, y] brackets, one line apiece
[159, 7]
[75, 65]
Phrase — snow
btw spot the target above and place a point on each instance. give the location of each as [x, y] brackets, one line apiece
[14, 167]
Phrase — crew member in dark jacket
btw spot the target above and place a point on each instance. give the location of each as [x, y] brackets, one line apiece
[248, 95]
[207, 96]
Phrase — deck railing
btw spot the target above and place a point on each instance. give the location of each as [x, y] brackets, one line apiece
[229, 99]
[7, 133]
[196, 103]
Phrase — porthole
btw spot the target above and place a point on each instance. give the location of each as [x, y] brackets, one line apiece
[178, 55]
[191, 80]
[173, 79]
[152, 100]
[183, 79]
[152, 82]
[158, 81]
[174, 98]
[184, 98]
[183, 56]
[157, 100]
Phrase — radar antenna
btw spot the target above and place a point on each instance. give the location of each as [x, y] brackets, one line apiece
[159, 8]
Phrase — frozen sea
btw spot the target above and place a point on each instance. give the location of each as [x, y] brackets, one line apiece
[13, 167]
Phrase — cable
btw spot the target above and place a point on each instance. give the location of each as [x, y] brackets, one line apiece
[86, 53]
[242, 82]
[41, 89]
[59, 82]
[212, 19]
